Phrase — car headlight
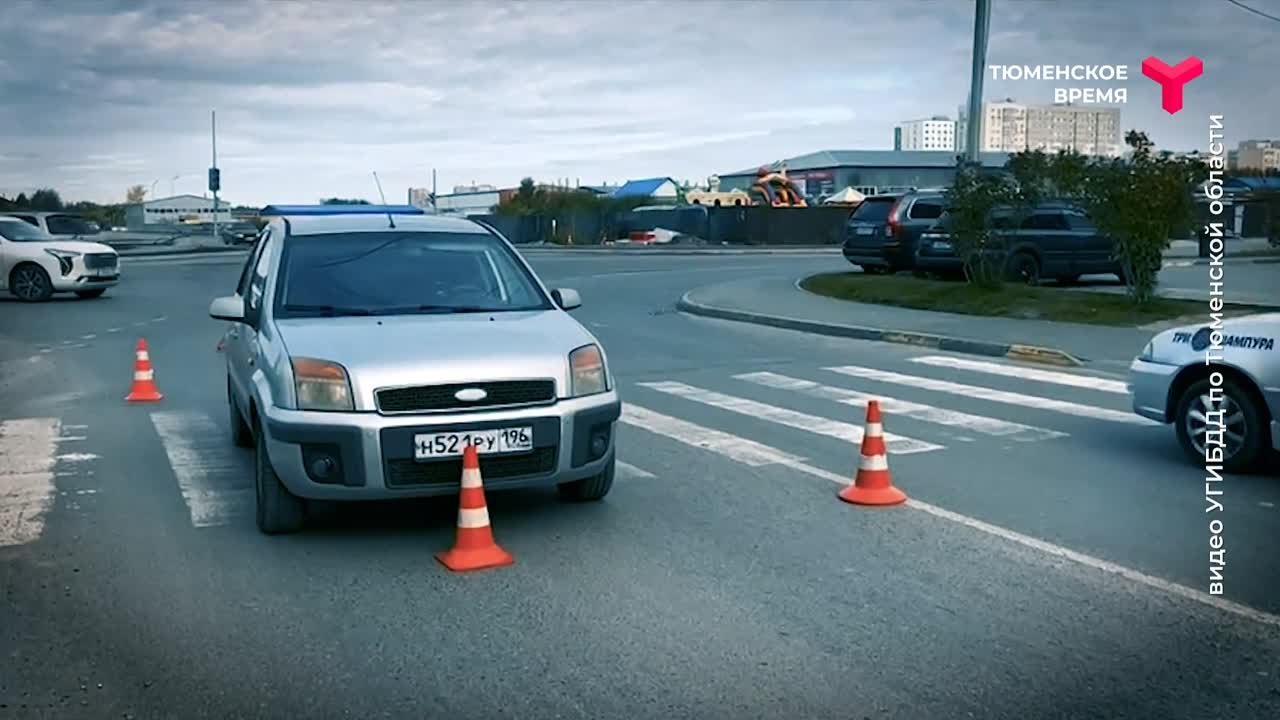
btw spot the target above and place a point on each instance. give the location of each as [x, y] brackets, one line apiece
[321, 385]
[586, 372]
[65, 258]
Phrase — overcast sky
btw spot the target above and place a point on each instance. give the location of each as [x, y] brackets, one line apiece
[312, 96]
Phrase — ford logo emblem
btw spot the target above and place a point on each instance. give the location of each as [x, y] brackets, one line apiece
[471, 395]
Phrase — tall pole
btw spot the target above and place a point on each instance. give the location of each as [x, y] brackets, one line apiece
[433, 190]
[213, 128]
[973, 129]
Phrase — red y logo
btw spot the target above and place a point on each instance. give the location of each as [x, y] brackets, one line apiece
[1172, 79]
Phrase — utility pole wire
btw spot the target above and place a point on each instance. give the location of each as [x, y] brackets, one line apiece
[1242, 6]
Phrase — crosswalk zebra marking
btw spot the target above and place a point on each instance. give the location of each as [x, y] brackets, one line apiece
[28, 449]
[206, 468]
[1001, 396]
[904, 408]
[628, 470]
[1088, 382]
[897, 444]
[748, 452]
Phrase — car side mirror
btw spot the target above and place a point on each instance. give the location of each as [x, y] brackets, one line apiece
[566, 298]
[229, 308]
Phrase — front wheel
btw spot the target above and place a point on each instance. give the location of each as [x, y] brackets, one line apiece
[589, 489]
[90, 294]
[1244, 435]
[279, 511]
[30, 283]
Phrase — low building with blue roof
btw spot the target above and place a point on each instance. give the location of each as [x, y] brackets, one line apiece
[661, 188]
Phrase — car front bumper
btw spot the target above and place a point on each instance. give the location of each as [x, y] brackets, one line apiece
[375, 453]
[1149, 384]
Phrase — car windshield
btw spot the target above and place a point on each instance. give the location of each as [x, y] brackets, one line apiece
[19, 231]
[873, 210]
[394, 273]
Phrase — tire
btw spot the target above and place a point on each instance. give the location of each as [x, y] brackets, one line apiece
[590, 489]
[90, 294]
[241, 435]
[278, 511]
[1023, 267]
[30, 283]
[1243, 417]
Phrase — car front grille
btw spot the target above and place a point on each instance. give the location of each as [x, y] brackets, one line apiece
[441, 398]
[96, 261]
[401, 473]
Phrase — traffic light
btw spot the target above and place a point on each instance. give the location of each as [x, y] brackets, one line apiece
[215, 180]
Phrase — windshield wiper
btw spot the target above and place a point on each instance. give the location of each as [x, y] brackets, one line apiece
[436, 309]
[330, 310]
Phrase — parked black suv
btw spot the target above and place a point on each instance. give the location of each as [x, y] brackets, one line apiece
[883, 231]
[1055, 240]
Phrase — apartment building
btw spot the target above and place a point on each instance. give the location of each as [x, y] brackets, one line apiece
[1258, 155]
[935, 133]
[1009, 126]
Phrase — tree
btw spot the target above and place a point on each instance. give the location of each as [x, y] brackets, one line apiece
[22, 202]
[972, 198]
[46, 199]
[135, 194]
[1139, 141]
[343, 201]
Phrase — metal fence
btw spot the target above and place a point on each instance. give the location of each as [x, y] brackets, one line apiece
[699, 224]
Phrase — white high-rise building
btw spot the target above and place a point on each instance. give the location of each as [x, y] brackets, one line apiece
[935, 133]
[1012, 127]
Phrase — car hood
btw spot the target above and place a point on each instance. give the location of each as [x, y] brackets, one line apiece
[390, 351]
[80, 246]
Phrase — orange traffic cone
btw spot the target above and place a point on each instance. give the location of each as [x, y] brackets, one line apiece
[144, 382]
[873, 485]
[474, 548]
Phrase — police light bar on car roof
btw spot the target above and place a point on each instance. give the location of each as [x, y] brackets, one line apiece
[298, 210]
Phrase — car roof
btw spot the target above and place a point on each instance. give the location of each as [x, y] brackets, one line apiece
[39, 213]
[332, 224]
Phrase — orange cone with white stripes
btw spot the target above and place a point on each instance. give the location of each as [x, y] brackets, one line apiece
[873, 484]
[474, 548]
[144, 378]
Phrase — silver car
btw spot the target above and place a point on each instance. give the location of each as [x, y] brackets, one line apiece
[1170, 383]
[367, 351]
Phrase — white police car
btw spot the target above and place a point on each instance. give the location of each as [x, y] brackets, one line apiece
[1171, 380]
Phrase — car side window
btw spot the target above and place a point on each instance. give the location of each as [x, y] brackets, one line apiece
[258, 281]
[63, 225]
[926, 210]
[1045, 221]
[1080, 223]
[28, 219]
[242, 287]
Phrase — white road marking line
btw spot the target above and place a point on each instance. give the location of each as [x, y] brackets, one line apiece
[1089, 382]
[630, 470]
[114, 330]
[70, 438]
[27, 450]
[203, 465]
[77, 457]
[1266, 504]
[916, 411]
[689, 434]
[90, 336]
[897, 444]
[46, 350]
[747, 452]
[1000, 396]
[75, 427]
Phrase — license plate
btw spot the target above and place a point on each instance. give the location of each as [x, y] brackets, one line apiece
[433, 446]
[865, 231]
[941, 245]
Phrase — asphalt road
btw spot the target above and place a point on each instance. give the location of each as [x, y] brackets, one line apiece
[1053, 561]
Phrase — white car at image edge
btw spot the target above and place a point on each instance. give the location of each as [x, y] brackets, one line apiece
[34, 264]
[1170, 382]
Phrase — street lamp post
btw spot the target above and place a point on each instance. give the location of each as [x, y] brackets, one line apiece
[973, 129]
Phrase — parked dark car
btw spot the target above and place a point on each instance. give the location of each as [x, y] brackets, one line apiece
[883, 231]
[1055, 240]
[235, 233]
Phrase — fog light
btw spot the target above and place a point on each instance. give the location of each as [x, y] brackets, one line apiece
[599, 442]
[323, 463]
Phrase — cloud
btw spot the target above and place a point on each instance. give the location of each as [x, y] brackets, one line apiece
[313, 96]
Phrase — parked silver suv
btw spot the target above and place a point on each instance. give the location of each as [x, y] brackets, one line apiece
[367, 351]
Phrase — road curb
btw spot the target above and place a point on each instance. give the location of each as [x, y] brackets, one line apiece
[1019, 352]
[184, 253]
[1198, 262]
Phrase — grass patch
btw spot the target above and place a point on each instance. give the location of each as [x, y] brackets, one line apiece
[1014, 301]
